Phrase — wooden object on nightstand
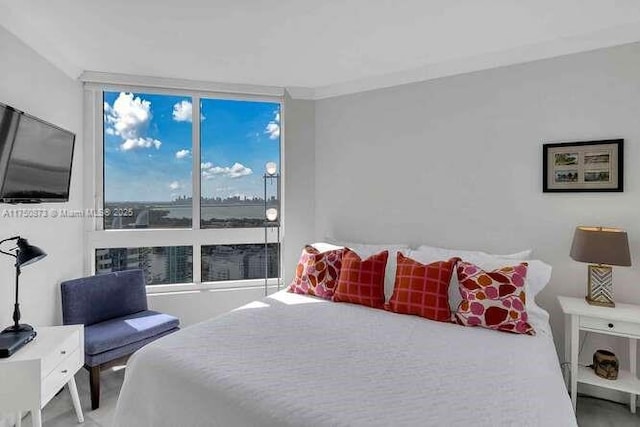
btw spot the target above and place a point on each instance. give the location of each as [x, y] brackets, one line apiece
[36, 372]
[622, 321]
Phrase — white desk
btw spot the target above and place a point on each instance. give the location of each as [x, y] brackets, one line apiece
[36, 372]
[623, 321]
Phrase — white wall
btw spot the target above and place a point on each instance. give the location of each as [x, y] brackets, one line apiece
[299, 184]
[456, 162]
[30, 83]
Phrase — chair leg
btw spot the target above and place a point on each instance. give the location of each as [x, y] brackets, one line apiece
[94, 381]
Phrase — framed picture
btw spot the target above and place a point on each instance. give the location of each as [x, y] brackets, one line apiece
[583, 166]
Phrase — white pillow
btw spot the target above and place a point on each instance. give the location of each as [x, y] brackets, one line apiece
[365, 250]
[325, 247]
[449, 253]
[538, 273]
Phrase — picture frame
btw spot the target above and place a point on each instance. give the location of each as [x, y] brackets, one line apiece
[584, 166]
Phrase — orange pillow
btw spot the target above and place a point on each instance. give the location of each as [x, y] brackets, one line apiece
[423, 290]
[362, 281]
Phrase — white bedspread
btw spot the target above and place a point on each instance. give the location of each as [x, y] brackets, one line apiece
[291, 360]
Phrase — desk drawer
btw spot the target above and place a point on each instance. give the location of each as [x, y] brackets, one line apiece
[61, 352]
[610, 326]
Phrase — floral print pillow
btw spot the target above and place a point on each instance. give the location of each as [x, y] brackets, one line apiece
[317, 272]
[493, 299]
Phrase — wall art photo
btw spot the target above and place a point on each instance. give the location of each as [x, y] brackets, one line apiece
[583, 166]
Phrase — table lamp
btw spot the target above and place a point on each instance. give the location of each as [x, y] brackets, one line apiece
[602, 247]
[25, 254]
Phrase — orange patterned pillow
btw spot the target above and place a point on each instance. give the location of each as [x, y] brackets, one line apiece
[493, 299]
[362, 281]
[317, 272]
[423, 289]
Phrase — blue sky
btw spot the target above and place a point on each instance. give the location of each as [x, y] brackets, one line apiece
[147, 143]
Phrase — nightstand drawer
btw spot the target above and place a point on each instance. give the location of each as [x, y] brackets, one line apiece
[610, 326]
[60, 352]
[60, 375]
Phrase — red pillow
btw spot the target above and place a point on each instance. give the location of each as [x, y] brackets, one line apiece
[423, 290]
[362, 281]
[317, 272]
[493, 299]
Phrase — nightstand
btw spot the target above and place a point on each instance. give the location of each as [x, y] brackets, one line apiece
[623, 321]
[36, 372]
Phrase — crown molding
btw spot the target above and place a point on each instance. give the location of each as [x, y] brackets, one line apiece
[99, 79]
[298, 92]
[560, 47]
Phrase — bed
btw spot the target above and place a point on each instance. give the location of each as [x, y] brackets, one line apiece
[293, 360]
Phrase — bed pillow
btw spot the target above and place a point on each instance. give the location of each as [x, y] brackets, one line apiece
[538, 272]
[324, 246]
[317, 272]
[443, 253]
[365, 250]
[493, 299]
[362, 281]
[422, 290]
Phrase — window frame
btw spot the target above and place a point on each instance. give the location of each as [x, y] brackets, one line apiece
[97, 237]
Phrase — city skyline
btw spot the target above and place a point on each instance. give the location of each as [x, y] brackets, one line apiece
[183, 197]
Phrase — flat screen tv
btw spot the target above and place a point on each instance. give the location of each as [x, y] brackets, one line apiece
[35, 159]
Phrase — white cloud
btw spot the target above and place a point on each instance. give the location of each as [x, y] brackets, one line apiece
[132, 144]
[273, 127]
[209, 171]
[181, 154]
[129, 118]
[175, 185]
[183, 111]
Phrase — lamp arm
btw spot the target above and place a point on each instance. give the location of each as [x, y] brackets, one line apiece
[6, 240]
[16, 305]
[10, 238]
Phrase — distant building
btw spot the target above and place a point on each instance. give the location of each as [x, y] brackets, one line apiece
[253, 263]
[103, 261]
[224, 263]
[159, 265]
[174, 264]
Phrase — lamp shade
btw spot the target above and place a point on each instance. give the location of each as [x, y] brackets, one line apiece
[28, 254]
[271, 214]
[601, 245]
[271, 168]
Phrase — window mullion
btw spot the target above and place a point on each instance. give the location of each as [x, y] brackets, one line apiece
[195, 175]
[98, 129]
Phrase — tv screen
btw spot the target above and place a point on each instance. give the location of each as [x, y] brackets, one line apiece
[35, 159]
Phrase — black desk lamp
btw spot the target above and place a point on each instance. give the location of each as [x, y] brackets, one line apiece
[25, 254]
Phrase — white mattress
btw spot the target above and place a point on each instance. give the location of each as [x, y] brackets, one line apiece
[291, 360]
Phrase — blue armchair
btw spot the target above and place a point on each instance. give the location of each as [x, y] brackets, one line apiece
[117, 322]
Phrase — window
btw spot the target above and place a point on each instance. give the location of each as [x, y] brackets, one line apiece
[237, 139]
[155, 151]
[147, 169]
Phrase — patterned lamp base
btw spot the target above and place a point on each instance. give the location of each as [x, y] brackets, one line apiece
[600, 287]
